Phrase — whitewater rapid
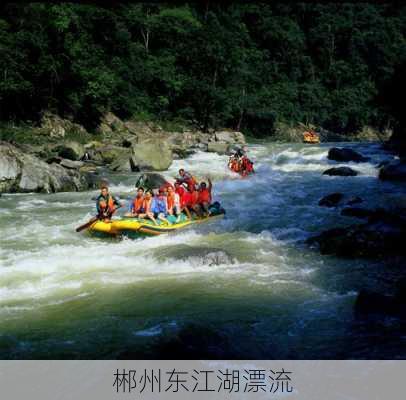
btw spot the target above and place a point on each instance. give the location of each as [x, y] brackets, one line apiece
[250, 277]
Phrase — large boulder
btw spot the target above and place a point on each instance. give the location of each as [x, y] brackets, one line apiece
[340, 171]
[381, 236]
[345, 155]
[20, 172]
[71, 150]
[124, 163]
[110, 153]
[331, 200]
[218, 147]
[152, 154]
[151, 180]
[395, 171]
[229, 137]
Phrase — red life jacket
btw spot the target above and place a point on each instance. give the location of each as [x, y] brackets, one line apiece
[247, 165]
[194, 197]
[204, 196]
[186, 199]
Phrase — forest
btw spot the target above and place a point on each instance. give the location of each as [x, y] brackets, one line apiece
[242, 65]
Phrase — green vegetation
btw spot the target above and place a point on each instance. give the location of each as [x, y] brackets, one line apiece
[241, 65]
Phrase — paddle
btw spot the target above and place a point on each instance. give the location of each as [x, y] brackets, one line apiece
[87, 224]
[91, 221]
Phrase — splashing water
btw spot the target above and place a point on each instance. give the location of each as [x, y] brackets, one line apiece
[248, 280]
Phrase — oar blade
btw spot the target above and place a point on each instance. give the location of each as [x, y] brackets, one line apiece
[86, 225]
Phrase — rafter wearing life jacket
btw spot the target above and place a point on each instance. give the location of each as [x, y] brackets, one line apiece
[106, 204]
[247, 166]
[137, 205]
[187, 178]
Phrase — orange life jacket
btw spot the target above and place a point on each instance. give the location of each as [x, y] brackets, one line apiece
[138, 204]
[234, 165]
[204, 196]
[107, 205]
[170, 199]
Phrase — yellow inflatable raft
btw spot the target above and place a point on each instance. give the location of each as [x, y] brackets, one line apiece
[134, 227]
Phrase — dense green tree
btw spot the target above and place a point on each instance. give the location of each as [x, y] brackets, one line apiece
[241, 65]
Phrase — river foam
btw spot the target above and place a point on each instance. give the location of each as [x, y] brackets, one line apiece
[247, 273]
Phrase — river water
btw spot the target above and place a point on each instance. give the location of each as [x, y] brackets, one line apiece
[243, 287]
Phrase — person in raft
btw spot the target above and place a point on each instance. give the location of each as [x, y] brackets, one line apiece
[204, 197]
[186, 178]
[137, 205]
[159, 207]
[146, 206]
[106, 204]
[173, 202]
[183, 194]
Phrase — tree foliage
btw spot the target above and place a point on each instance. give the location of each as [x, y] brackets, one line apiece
[241, 65]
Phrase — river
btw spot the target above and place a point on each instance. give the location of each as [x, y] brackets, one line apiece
[246, 287]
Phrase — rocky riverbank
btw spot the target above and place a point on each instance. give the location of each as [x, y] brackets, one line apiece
[65, 157]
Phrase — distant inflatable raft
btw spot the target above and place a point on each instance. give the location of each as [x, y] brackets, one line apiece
[311, 137]
[135, 227]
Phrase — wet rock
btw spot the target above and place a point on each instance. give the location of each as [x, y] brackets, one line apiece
[345, 155]
[354, 200]
[124, 163]
[110, 124]
[217, 147]
[150, 180]
[180, 153]
[70, 150]
[20, 172]
[230, 137]
[153, 154]
[71, 164]
[201, 146]
[331, 200]
[88, 167]
[381, 236]
[395, 171]
[340, 171]
[54, 159]
[109, 154]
